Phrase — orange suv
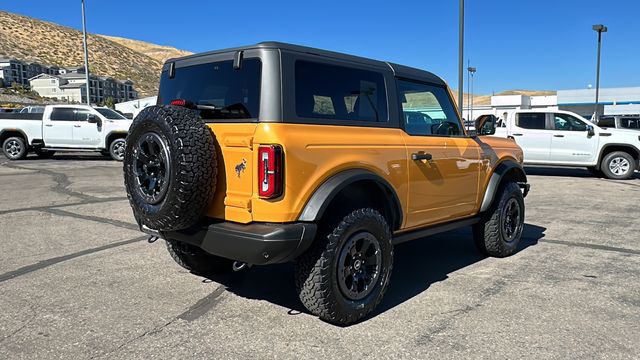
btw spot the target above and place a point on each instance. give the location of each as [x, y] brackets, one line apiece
[274, 152]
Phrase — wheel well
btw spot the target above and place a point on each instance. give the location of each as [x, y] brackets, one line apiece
[611, 148]
[514, 174]
[13, 133]
[114, 136]
[361, 194]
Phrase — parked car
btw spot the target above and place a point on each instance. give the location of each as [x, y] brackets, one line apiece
[620, 122]
[63, 128]
[564, 138]
[274, 152]
[32, 109]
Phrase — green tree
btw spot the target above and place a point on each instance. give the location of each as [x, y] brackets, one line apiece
[110, 103]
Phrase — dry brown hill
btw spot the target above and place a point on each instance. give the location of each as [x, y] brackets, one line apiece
[29, 39]
[158, 52]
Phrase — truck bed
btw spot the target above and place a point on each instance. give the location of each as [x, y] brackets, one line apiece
[21, 116]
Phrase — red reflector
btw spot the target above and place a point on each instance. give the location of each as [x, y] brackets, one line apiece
[270, 171]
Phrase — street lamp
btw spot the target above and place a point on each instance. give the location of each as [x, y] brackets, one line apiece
[460, 57]
[599, 28]
[470, 71]
[86, 54]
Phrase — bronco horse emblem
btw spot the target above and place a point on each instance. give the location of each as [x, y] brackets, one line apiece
[240, 168]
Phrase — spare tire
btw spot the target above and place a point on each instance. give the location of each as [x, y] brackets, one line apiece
[170, 167]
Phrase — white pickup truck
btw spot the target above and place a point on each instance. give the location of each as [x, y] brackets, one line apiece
[566, 139]
[64, 128]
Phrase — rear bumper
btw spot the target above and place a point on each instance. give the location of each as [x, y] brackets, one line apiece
[256, 243]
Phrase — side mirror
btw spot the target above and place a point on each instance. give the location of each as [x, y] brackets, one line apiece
[92, 119]
[486, 125]
[590, 130]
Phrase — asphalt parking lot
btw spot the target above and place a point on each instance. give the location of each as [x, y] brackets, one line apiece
[78, 281]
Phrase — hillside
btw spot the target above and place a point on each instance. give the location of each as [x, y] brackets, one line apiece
[30, 39]
[158, 52]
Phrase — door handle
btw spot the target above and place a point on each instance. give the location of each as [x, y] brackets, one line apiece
[48, 125]
[558, 135]
[77, 125]
[517, 134]
[421, 156]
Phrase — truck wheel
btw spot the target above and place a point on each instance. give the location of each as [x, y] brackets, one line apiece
[197, 260]
[14, 148]
[116, 149]
[618, 165]
[345, 273]
[44, 154]
[500, 229]
[169, 167]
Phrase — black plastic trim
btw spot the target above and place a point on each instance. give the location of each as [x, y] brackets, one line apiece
[254, 243]
[322, 197]
[495, 180]
[432, 230]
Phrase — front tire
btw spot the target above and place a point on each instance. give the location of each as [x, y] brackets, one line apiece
[14, 148]
[116, 149]
[345, 273]
[618, 165]
[197, 260]
[500, 230]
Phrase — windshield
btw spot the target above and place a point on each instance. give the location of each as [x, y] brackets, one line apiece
[221, 91]
[110, 114]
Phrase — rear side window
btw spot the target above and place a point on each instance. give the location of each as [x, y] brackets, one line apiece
[531, 120]
[630, 123]
[233, 93]
[339, 93]
[607, 122]
[63, 114]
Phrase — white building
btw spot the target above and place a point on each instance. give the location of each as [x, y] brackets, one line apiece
[70, 86]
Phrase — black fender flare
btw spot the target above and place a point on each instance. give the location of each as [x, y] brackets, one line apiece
[502, 169]
[325, 193]
[26, 138]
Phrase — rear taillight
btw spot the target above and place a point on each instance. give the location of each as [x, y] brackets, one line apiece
[181, 102]
[270, 171]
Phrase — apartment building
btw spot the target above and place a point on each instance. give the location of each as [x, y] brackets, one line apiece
[70, 86]
[17, 71]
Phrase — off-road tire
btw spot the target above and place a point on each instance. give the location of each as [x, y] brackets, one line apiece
[192, 167]
[20, 153]
[197, 260]
[114, 150]
[609, 158]
[44, 154]
[489, 234]
[316, 272]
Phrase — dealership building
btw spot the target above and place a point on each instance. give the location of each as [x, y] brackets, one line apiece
[611, 101]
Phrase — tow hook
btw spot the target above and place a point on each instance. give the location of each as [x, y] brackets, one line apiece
[152, 239]
[239, 266]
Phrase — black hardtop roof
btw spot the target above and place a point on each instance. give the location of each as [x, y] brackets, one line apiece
[398, 70]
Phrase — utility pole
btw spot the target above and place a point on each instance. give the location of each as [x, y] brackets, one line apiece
[471, 71]
[599, 28]
[461, 57]
[86, 54]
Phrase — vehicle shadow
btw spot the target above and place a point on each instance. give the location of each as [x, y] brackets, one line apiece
[69, 156]
[417, 265]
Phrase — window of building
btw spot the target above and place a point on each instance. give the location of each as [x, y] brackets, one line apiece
[531, 120]
[339, 93]
[428, 110]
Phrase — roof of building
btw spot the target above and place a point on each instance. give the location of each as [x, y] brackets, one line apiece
[43, 75]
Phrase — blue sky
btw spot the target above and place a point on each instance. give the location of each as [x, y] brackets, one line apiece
[515, 44]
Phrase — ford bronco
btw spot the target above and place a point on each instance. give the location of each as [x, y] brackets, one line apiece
[274, 152]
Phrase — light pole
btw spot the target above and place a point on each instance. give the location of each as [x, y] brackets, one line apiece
[471, 70]
[86, 54]
[460, 57]
[599, 28]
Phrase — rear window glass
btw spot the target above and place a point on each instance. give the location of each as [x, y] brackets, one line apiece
[531, 120]
[630, 123]
[339, 93]
[232, 93]
[63, 114]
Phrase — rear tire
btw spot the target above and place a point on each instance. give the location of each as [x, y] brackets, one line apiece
[500, 230]
[14, 148]
[197, 260]
[618, 165]
[345, 273]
